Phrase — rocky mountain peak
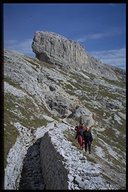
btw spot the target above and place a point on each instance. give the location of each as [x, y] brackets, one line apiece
[58, 50]
[49, 46]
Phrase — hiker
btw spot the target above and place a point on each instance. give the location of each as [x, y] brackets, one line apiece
[87, 139]
[79, 134]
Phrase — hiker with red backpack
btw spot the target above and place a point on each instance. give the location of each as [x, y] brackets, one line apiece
[84, 136]
[79, 134]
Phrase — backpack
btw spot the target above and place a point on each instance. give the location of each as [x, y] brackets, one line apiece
[88, 136]
[81, 131]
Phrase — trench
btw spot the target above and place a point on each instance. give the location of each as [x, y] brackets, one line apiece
[31, 175]
[43, 167]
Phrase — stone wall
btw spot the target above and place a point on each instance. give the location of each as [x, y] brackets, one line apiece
[43, 167]
[54, 173]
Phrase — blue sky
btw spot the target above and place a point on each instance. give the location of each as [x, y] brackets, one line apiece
[99, 27]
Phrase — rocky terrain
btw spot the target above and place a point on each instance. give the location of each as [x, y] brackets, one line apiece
[52, 91]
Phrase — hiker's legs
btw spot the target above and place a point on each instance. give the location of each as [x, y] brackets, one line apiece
[80, 141]
[83, 143]
[89, 147]
[85, 146]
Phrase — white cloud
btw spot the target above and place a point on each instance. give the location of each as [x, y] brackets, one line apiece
[23, 47]
[94, 36]
[115, 57]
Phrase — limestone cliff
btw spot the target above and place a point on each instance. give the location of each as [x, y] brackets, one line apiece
[58, 50]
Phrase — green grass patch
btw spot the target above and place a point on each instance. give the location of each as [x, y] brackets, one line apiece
[90, 158]
[121, 84]
[26, 112]
[106, 177]
[71, 137]
[68, 86]
[106, 93]
[34, 123]
[32, 61]
[10, 136]
[13, 83]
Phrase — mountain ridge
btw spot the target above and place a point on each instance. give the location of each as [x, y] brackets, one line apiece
[37, 92]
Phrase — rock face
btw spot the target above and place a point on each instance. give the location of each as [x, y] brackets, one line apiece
[54, 172]
[56, 49]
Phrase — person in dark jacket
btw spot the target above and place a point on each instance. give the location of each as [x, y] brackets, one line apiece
[88, 139]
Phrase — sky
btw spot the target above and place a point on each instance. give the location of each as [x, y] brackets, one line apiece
[99, 27]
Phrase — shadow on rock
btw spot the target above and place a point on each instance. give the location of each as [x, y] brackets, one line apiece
[31, 176]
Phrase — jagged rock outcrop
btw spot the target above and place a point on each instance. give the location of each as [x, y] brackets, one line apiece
[54, 171]
[56, 49]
